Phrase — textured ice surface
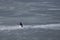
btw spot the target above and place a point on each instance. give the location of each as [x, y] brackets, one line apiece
[47, 26]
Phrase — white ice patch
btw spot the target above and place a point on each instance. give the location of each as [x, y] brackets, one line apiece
[48, 26]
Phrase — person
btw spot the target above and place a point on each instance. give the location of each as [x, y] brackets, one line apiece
[21, 24]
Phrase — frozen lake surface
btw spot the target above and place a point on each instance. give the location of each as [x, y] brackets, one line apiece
[41, 19]
[30, 32]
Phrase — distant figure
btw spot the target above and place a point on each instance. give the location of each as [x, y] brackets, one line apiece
[21, 24]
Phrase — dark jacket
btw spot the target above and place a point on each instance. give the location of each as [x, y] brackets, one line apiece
[21, 24]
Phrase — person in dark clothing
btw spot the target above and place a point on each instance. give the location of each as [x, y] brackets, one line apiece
[21, 24]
